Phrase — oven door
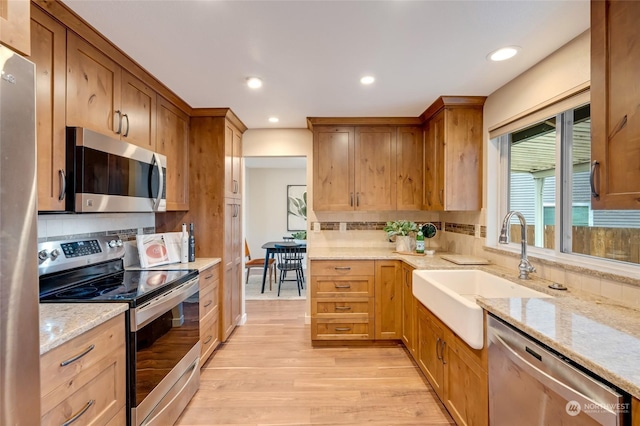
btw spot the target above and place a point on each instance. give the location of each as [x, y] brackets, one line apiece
[165, 334]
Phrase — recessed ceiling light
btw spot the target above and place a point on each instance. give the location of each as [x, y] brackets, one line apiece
[503, 54]
[273, 119]
[367, 79]
[254, 82]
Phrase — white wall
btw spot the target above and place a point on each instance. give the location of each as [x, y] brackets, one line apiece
[266, 204]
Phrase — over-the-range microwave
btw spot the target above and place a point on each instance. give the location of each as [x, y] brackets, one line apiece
[110, 175]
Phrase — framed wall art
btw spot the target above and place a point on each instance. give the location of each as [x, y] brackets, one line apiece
[296, 207]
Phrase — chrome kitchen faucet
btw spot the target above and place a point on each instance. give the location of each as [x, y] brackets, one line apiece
[525, 266]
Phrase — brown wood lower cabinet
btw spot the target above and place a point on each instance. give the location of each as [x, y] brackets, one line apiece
[457, 372]
[408, 311]
[209, 312]
[85, 378]
[635, 412]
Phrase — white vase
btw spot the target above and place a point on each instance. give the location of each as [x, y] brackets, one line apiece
[403, 243]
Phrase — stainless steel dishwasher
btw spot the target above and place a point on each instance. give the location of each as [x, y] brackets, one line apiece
[530, 385]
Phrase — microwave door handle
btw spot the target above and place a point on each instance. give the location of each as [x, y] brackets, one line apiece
[156, 160]
[571, 394]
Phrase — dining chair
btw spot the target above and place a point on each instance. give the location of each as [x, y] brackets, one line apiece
[290, 257]
[258, 263]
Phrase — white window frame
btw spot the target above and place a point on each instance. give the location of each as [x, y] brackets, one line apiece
[498, 202]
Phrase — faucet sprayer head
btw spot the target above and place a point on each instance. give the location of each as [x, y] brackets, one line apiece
[504, 238]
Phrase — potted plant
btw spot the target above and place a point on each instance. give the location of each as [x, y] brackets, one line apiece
[400, 230]
[300, 237]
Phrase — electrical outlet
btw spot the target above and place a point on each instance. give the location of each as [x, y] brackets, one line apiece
[316, 226]
[477, 230]
[343, 227]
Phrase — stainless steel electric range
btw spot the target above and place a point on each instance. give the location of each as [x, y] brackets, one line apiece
[163, 348]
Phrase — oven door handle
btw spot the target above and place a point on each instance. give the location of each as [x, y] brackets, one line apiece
[153, 309]
[604, 416]
[158, 163]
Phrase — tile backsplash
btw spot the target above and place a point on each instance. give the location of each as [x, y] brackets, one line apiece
[70, 226]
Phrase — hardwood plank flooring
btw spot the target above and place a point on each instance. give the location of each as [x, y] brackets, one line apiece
[268, 374]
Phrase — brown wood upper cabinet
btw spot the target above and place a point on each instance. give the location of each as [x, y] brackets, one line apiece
[48, 47]
[232, 160]
[14, 25]
[453, 154]
[105, 98]
[615, 95]
[370, 168]
[173, 142]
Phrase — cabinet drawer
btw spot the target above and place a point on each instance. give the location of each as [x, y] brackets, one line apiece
[209, 276]
[209, 336]
[66, 361]
[95, 395]
[342, 268]
[119, 419]
[340, 329]
[322, 286]
[208, 300]
[343, 307]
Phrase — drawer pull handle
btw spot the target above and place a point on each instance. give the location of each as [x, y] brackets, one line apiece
[80, 413]
[343, 286]
[208, 340]
[343, 308]
[342, 268]
[343, 328]
[208, 277]
[209, 302]
[77, 357]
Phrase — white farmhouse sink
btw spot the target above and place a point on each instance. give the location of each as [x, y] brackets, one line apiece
[451, 296]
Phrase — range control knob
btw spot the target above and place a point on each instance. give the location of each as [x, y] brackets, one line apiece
[54, 254]
[112, 243]
[119, 243]
[43, 255]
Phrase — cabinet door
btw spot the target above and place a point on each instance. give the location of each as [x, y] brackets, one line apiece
[173, 142]
[429, 164]
[615, 95]
[436, 127]
[237, 161]
[409, 168]
[14, 25]
[333, 169]
[408, 310]
[93, 87]
[461, 183]
[232, 160]
[48, 44]
[463, 374]
[375, 168]
[236, 247]
[230, 296]
[429, 345]
[388, 296]
[139, 112]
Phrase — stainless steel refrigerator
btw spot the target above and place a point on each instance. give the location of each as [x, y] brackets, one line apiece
[19, 318]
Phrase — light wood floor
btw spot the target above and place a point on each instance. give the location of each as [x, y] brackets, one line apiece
[269, 374]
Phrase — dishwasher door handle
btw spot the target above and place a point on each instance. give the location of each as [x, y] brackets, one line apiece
[603, 415]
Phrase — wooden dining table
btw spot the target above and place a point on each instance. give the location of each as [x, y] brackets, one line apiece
[271, 249]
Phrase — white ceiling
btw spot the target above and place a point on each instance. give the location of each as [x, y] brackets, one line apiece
[311, 54]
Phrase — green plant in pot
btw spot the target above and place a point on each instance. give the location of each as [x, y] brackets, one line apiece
[400, 231]
[300, 237]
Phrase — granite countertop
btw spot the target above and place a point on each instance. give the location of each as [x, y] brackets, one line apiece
[595, 332]
[200, 264]
[61, 322]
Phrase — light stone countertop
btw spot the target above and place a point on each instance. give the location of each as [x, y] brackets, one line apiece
[61, 322]
[595, 332]
[200, 264]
